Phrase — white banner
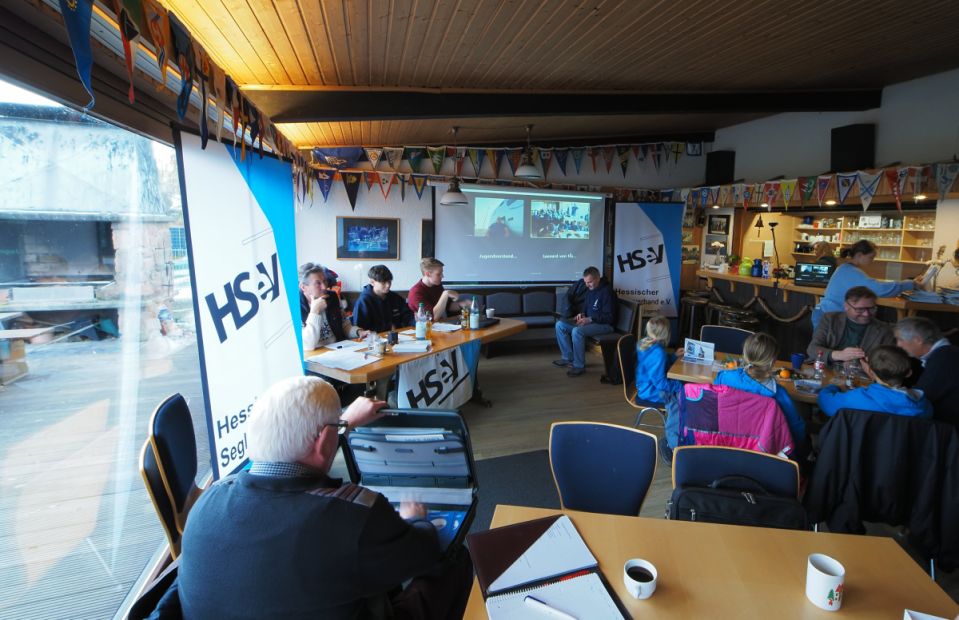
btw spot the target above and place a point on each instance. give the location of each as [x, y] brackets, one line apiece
[247, 336]
[440, 381]
[647, 253]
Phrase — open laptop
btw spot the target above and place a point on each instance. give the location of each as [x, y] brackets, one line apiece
[813, 274]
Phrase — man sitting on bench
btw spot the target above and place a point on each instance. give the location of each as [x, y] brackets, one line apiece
[599, 313]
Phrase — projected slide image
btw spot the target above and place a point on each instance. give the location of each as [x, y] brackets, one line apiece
[558, 219]
[498, 218]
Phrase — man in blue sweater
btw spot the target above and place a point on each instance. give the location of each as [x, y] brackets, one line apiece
[598, 316]
[284, 540]
[379, 309]
[888, 366]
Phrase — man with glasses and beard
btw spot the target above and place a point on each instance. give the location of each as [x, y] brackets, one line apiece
[852, 334]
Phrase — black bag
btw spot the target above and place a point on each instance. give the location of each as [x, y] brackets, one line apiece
[736, 500]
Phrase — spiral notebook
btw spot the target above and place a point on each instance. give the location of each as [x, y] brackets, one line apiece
[579, 596]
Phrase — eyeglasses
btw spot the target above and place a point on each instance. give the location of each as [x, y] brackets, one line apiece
[862, 309]
[342, 425]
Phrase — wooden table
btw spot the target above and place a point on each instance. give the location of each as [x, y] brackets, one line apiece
[441, 342]
[903, 307]
[690, 372]
[728, 571]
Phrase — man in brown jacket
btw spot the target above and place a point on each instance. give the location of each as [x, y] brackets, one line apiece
[853, 333]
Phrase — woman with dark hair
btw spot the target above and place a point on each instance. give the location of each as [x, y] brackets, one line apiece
[851, 273]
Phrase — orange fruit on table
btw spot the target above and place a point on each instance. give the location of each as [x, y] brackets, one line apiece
[730, 364]
[784, 373]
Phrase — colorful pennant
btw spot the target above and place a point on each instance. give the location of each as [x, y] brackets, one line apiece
[476, 158]
[822, 186]
[561, 156]
[608, 153]
[76, 17]
[844, 184]
[394, 156]
[945, 177]
[386, 179]
[183, 53]
[892, 179]
[419, 184]
[437, 155]
[622, 153]
[339, 157]
[415, 155]
[786, 190]
[374, 155]
[324, 178]
[868, 184]
[351, 181]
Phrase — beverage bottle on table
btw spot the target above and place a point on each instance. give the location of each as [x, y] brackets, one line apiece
[429, 325]
[474, 315]
[464, 318]
[820, 366]
[421, 323]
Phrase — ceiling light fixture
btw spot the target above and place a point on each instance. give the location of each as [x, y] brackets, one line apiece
[715, 206]
[919, 197]
[830, 203]
[764, 205]
[526, 169]
[453, 196]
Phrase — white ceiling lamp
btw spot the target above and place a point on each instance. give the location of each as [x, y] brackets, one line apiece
[526, 169]
[453, 196]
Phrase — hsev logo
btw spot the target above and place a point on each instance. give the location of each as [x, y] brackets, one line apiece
[440, 381]
[268, 285]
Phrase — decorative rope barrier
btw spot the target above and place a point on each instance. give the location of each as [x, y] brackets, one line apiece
[762, 303]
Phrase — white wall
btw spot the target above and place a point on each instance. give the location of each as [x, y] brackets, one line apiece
[918, 122]
[316, 225]
[316, 231]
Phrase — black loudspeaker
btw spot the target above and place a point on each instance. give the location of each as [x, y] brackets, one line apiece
[720, 167]
[853, 147]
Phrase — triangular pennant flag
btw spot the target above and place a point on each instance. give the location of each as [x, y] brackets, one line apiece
[723, 195]
[414, 154]
[130, 22]
[76, 17]
[324, 178]
[386, 179]
[394, 156]
[183, 54]
[513, 158]
[919, 179]
[736, 193]
[868, 184]
[658, 151]
[545, 157]
[404, 179]
[636, 153]
[219, 102]
[622, 151]
[351, 181]
[787, 189]
[371, 178]
[158, 29]
[608, 154]
[747, 194]
[822, 186]
[844, 183]
[476, 158]
[578, 158]
[561, 156]
[233, 104]
[945, 177]
[339, 158]
[703, 195]
[437, 155]
[807, 186]
[458, 154]
[593, 154]
[770, 193]
[204, 75]
[495, 158]
[678, 150]
[374, 155]
[684, 194]
[903, 177]
[892, 179]
[419, 183]
[694, 149]
[713, 195]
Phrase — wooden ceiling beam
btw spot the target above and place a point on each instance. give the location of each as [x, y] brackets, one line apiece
[299, 105]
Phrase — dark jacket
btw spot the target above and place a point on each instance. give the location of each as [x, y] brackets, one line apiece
[381, 315]
[889, 469]
[573, 300]
[334, 314]
[940, 385]
[830, 330]
[600, 304]
[265, 547]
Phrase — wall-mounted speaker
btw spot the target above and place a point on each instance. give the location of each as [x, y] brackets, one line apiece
[720, 167]
[853, 147]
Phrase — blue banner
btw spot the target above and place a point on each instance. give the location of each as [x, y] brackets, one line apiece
[648, 253]
[76, 17]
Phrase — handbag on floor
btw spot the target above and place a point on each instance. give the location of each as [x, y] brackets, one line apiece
[736, 500]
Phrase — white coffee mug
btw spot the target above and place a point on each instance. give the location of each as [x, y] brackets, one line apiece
[825, 579]
[642, 583]
[490, 313]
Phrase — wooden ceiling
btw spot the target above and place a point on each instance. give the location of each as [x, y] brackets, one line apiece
[402, 72]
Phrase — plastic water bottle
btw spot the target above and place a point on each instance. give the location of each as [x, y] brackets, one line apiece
[766, 268]
[819, 367]
[421, 323]
[474, 314]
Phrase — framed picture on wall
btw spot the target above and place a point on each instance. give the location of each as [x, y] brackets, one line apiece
[367, 237]
[718, 225]
[689, 217]
[426, 236]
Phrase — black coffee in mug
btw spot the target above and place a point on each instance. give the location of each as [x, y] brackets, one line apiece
[640, 574]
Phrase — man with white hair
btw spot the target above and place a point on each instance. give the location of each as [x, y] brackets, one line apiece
[922, 340]
[283, 540]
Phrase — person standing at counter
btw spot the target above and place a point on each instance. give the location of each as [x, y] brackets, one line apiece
[852, 273]
[825, 254]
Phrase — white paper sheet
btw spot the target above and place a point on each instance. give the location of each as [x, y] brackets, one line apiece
[413, 346]
[345, 345]
[446, 327]
[344, 360]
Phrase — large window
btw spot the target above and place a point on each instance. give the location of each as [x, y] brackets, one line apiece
[97, 324]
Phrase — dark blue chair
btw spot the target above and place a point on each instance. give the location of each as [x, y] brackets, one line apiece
[626, 351]
[727, 339]
[601, 467]
[168, 466]
[698, 466]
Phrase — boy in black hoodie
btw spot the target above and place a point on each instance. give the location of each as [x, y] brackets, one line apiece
[378, 308]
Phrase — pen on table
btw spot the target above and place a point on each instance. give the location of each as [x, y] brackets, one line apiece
[543, 607]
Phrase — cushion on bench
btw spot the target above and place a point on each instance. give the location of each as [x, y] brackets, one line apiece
[505, 304]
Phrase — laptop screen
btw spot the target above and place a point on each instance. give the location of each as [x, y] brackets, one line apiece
[813, 273]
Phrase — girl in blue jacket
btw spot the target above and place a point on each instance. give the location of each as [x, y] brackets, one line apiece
[760, 352]
[653, 362]
[888, 366]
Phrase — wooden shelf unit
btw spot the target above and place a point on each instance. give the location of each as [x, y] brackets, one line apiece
[908, 241]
